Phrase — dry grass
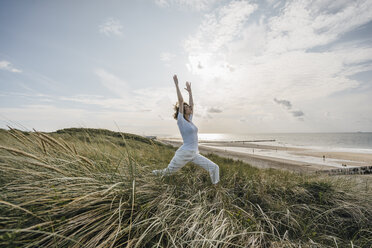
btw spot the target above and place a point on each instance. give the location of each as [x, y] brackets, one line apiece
[94, 188]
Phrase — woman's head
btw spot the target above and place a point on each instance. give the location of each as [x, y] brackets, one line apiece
[186, 110]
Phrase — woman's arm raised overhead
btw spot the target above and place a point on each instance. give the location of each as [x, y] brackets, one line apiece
[179, 95]
[191, 102]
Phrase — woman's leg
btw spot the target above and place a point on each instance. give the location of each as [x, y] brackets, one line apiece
[212, 168]
[180, 158]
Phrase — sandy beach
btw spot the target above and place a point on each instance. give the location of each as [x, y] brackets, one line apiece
[288, 158]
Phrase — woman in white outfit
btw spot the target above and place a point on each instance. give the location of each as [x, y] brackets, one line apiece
[189, 151]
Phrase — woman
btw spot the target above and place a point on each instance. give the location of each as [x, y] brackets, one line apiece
[189, 151]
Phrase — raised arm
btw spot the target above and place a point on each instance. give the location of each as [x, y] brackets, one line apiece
[179, 95]
[191, 102]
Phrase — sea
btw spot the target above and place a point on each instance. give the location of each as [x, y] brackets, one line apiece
[358, 142]
[348, 142]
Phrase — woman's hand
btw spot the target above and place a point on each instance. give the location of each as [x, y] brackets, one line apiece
[188, 87]
[175, 79]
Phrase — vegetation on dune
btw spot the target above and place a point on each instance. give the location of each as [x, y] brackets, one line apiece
[94, 188]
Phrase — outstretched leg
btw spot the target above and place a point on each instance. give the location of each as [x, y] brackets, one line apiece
[178, 161]
[212, 168]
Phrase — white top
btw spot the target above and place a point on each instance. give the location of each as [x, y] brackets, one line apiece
[189, 133]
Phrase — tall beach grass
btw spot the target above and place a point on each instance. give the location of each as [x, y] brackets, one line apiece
[94, 188]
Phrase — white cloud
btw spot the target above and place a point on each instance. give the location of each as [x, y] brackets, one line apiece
[101, 101]
[43, 117]
[220, 27]
[6, 65]
[48, 118]
[162, 3]
[111, 27]
[274, 3]
[158, 99]
[130, 99]
[145, 103]
[167, 57]
[112, 82]
[306, 24]
[271, 55]
[197, 5]
[208, 45]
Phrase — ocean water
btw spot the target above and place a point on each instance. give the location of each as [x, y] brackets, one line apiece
[347, 142]
[336, 142]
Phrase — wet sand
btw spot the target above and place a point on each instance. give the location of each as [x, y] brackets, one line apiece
[357, 159]
[354, 159]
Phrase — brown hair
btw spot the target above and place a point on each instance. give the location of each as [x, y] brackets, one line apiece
[177, 109]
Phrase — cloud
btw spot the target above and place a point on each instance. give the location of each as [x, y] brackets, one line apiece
[101, 101]
[249, 53]
[135, 110]
[128, 99]
[196, 5]
[111, 27]
[218, 29]
[43, 117]
[47, 117]
[162, 3]
[154, 100]
[288, 105]
[285, 103]
[274, 3]
[167, 57]
[112, 82]
[305, 24]
[7, 66]
[243, 119]
[297, 113]
[327, 114]
[214, 110]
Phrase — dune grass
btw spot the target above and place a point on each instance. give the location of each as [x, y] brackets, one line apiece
[94, 188]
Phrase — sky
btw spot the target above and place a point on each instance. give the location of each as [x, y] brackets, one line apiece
[255, 66]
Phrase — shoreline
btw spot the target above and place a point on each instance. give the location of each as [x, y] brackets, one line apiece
[285, 162]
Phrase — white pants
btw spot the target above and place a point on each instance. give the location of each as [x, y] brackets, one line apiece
[182, 157]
